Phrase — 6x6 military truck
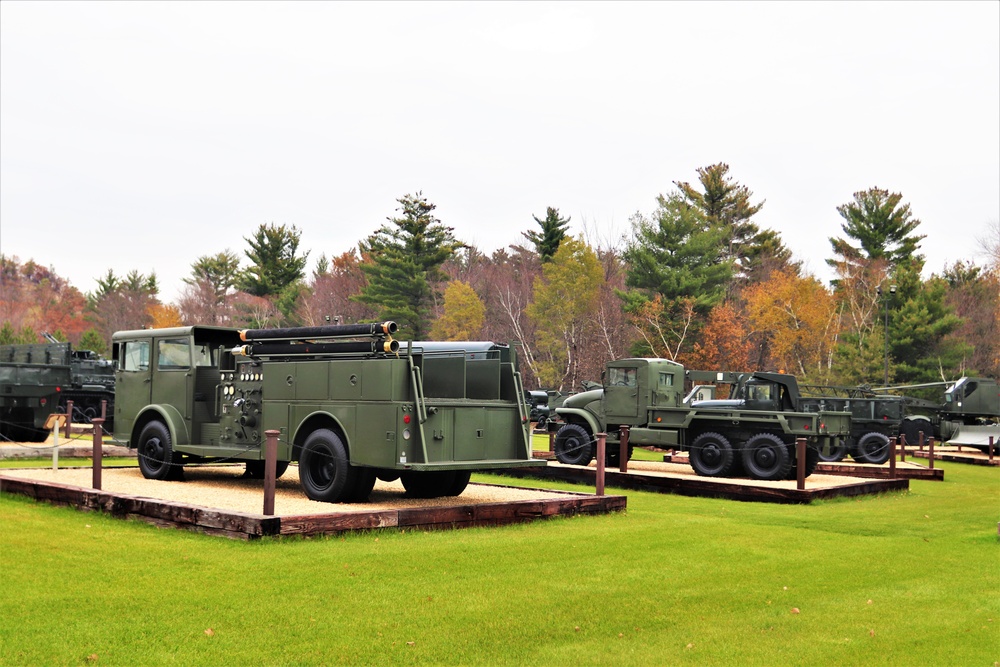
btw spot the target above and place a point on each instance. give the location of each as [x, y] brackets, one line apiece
[348, 411]
[874, 420]
[722, 438]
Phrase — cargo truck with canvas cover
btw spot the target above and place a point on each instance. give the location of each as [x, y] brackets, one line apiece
[350, 404]
[756, 438]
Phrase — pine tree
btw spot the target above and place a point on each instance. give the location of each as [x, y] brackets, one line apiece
[553, 232]
[881, 227]
[274, 260]
[727, 208]
[677, 273]
[403, 265]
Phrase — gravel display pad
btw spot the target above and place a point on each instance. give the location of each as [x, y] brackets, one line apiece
[225, 488]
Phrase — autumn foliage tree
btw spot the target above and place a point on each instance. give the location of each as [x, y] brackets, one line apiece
[463, 314]
[974, 295]
[124, 303]
[724, 343]
[798, 318]
[34, 299]
[562, 310]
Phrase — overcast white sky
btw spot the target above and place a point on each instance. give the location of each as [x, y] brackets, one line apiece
[143, 135]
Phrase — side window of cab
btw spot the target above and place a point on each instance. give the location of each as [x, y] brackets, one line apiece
[173, 354]
[134, 356]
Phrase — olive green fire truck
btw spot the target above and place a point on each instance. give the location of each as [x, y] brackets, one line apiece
[351, 404]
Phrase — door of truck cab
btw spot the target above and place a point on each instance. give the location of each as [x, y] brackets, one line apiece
[173, 373]
[622, 392]
[132, 382]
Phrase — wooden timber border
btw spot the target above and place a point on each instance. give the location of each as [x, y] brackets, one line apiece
[851, 469]
[710, 487]
[908, 471]
[969, 455]
[237, 525]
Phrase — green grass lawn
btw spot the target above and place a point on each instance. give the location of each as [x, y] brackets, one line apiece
[898, 579]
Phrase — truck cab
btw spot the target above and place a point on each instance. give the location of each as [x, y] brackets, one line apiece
[633, 386]
[172, 375]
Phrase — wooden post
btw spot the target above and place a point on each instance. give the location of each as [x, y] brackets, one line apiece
[800, 464]
[602, 439]
[104, 410]
[270, 463]
[930, 452]
[55, 446]
[623, 448]
[552, 441]
[98, 450]
[991, 449]
[69, 417]
[892, 458]
[902, 449]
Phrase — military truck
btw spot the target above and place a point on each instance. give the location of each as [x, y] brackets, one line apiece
[29, 393]
[874, 420]
[968, 414]
[350, 404]
[38, 379]
[755, 436]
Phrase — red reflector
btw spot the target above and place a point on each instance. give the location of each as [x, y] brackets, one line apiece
[43, 401]
[406, 419]
[58, 388]
[807, 427]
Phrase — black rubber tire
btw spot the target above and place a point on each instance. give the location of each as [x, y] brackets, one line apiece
[872, 448]
[325, 472]
[155, 451]
[428, 484]
[613, 453]
[363, 486]
[812, 460]
[387, 476]
[540, 425]
[255, 469]
[838, 450]
[912, 428]
[766, 457]
[574, 445]
[460, 482]
[711, 455]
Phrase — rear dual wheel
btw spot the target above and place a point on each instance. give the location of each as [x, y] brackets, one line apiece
[326, 474]
[435, 483]
[872, 448]
[838, 450]
[766, 456]
[255, 469]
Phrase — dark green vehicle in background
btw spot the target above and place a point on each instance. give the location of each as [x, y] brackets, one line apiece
[39, 379]
[348, 410]
[753, 436]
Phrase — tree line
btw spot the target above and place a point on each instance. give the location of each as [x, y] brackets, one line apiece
[695, 280]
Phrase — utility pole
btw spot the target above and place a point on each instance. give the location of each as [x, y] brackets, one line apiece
[885, 298]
